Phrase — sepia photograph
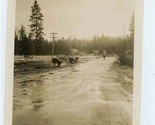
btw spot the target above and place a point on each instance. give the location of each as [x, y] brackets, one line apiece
[73, 62]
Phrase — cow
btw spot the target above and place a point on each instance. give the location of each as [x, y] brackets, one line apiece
[56, 61]
[76, 59]
[72, 60]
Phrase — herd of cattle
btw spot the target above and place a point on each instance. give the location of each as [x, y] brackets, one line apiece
[68, 60]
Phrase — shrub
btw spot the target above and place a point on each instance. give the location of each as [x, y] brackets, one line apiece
[126, 60]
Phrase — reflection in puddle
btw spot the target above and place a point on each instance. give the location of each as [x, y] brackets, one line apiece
[23, 85]
[26, 92]
[37, 104]
[28, 81]
[75, 70]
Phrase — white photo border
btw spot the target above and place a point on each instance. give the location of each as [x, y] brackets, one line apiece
[10, 61]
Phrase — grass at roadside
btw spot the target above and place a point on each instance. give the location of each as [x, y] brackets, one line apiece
[125, 76]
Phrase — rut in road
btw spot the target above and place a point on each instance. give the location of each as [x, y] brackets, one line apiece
[84, 94]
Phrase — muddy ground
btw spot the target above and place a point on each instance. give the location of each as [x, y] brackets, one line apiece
[96, 92]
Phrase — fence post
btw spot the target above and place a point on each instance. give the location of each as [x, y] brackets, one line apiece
[33, 57]
[23, 57]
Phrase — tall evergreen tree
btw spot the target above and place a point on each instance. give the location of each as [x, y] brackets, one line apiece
[36, 26]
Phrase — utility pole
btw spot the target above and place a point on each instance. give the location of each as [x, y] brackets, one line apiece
[53, 37]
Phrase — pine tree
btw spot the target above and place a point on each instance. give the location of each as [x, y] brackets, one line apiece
[25, 43]
[36, 26]
[22, 33]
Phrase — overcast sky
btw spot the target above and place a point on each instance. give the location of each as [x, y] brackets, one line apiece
[79, 18]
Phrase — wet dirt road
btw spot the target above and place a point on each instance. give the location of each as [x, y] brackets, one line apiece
[85, 94]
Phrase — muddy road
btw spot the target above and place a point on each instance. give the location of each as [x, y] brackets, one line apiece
[85, 94]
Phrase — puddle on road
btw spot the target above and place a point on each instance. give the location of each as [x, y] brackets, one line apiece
[27, 90]
[27, 81]
[37, 104]
[75, 70]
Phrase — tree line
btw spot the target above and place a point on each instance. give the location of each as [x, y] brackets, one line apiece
[27, 46]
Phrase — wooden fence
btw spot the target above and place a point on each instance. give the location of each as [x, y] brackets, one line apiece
[32, 58]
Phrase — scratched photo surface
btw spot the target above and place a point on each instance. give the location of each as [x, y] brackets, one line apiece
[73, 62]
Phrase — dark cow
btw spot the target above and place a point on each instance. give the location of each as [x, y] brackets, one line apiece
[56, 61]
[72, 60]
